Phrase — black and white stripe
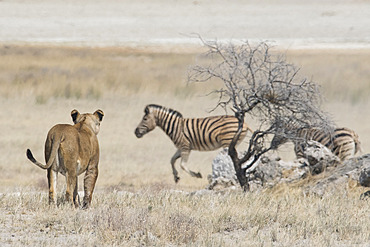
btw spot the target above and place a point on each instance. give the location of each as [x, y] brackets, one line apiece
[202, 134]
[342, 142]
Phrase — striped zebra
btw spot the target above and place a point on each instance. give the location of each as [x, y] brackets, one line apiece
[202, 134]
[342, 142]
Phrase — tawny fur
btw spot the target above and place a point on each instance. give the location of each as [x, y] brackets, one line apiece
[72, 150]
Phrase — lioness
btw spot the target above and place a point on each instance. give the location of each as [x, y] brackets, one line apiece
[72, 150]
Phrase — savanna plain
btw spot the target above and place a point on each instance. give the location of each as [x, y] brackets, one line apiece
[136, 202]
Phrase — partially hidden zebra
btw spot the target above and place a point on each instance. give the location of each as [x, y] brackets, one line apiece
[202, 134]
[342, 142]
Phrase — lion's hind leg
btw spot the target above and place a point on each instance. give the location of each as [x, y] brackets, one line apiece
[71, 195]
[52, 182]
[91, 175]
[71, 190]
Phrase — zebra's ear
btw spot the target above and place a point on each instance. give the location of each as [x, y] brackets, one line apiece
[146, 110]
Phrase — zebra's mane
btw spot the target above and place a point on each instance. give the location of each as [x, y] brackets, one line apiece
[169, 110]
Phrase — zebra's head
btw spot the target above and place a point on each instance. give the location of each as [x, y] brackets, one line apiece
[147, 124]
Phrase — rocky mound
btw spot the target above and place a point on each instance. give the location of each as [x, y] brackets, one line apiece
[321, 170]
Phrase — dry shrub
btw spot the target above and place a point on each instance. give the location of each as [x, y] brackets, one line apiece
[260, 84]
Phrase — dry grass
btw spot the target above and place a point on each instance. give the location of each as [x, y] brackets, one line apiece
[41, 85]
[159, 217]
[343, 74]
[83, 73]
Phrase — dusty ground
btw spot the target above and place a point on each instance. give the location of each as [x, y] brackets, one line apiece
[50, 64]
[291, 23]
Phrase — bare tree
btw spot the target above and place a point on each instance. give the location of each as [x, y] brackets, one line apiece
[265, 86]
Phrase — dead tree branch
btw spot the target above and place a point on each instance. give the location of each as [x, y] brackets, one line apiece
[262, 84]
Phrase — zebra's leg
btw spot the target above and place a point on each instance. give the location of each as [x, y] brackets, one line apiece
[173, 160]
[184, 160]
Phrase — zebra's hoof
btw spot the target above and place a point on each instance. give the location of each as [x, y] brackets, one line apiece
[198, 175]
[176, 179]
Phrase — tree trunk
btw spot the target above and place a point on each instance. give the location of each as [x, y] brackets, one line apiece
[240, 172]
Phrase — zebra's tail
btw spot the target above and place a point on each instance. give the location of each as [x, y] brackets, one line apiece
[357, 143]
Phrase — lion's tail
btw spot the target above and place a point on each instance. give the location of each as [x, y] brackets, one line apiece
[51, 160]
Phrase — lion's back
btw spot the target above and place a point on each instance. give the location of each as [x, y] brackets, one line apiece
[62, 130]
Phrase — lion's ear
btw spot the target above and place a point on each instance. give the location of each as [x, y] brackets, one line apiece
[75, 114]
[99, 114]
